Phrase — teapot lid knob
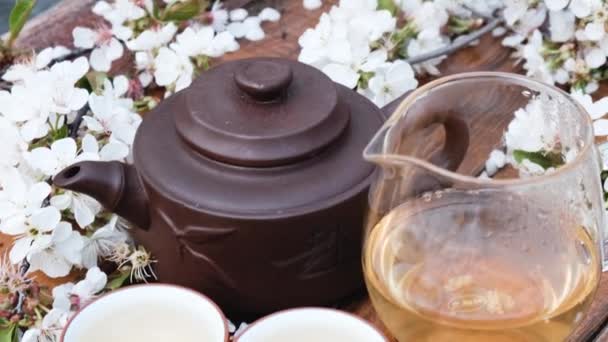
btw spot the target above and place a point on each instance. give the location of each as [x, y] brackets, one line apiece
[263, 80]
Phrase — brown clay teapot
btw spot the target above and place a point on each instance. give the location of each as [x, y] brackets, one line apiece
[248, 186]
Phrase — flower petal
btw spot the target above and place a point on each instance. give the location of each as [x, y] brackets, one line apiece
[595, 31]
[93, 124]
[65, 149]
[14, 225]
[46, 219]
[595, 58]
[83, 214]
[37, 193]
[63, 201]
[99, 61]
[600, 127]
[89, 144]
[556, 5]
[71, 247]
[342, 74]
[84, 37]
[43, 159]
[61, 232]
[51, 264]
[269, 14]
[114, 151]
[121, 85]
[20, 249]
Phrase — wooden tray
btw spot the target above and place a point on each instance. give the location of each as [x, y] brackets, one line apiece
[55, 27]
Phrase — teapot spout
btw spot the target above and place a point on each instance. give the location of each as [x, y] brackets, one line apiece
[115, 185]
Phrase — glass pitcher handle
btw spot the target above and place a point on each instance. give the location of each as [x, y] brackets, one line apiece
[456, 135]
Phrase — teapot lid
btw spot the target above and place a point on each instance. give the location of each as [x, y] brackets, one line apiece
[261, 112]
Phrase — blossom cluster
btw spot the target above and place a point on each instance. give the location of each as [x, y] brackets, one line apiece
[60, 106]
[372, 45]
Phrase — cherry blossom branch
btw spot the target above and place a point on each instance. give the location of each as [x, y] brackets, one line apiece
[457, 44]
[75, 125]
[71, 55]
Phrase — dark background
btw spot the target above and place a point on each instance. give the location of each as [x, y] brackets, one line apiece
[6, 5]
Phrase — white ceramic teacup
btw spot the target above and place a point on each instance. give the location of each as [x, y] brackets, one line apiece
[148, 313]
[311, 324]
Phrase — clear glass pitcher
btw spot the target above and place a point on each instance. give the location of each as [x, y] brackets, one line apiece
[452, 256]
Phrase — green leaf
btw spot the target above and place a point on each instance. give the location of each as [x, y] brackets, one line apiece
[60, 133]
[545, 160]
[95, 81]
[18, 17]
[8, 333]
[118, 280]
[182, 11]
[388, 5]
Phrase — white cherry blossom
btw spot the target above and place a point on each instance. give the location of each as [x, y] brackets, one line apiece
[49, 329]
[20, 198]
[172, 70]
[106, 47]
[153, 38]
[427, 41]
[495, 162]
[318, 43]
[218, 16]
[84, 207]
[101, 244]
[30, 103]
[66, 97]
[119, 11]
[25, 70]
[584, 8]
[11, 142]
[531, 130]
[57, 258]
[595, 55]
[562, 25]
[249, 29]
[144, 63]
[203, 41]
[112, 114]
[429, 15]
[61, 154]
[596, 110]
[34, 232]
[390, 82]
[72, 297]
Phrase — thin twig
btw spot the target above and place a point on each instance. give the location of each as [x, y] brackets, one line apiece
[457, 44]
[71, 55]
[18, 309]
[25, 265]
[75, 125]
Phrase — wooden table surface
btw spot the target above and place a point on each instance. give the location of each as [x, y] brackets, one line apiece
[55, 27]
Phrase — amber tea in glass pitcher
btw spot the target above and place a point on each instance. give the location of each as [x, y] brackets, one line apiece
[451, 256]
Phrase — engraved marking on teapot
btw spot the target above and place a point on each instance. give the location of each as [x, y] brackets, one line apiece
[200, 235]
[323, 255]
